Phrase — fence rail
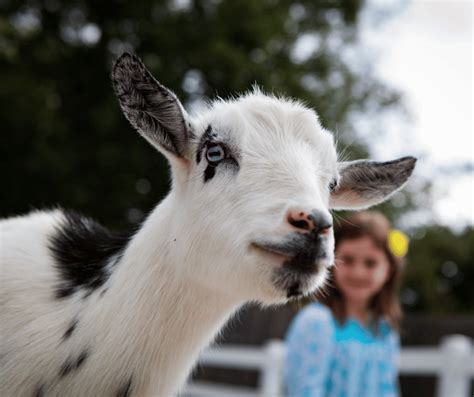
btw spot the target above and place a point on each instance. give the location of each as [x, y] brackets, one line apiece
[452, 362]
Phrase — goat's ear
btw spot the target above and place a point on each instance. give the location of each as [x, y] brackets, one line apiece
[365, 183]
[150, 107]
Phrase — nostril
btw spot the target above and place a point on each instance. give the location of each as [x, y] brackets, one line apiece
[316, 221]
[299, 224]
[299, 220]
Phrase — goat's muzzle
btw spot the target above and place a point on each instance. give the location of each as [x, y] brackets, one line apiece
[300, 251]
[303, 257]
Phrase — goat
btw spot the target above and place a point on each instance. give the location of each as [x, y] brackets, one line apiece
[85, 312]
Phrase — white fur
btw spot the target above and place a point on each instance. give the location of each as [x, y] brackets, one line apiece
[189, 267]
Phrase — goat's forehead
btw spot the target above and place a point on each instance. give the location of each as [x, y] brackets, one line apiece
[256, 118]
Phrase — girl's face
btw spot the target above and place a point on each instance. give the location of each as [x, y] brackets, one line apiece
[361, 269]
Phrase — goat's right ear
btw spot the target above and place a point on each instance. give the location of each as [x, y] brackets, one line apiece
[151, 108]
[366, 183]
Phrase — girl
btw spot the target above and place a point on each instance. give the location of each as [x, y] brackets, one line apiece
[348, 344]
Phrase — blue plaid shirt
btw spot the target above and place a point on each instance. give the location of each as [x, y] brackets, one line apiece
[326, 359]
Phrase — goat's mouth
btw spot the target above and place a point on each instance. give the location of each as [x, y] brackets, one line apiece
[299, 252]
[271, 252]
[301, 263]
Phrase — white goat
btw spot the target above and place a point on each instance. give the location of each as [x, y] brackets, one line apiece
[87, 313]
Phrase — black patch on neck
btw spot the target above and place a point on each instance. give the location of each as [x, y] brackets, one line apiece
[82, 250]
[126, 389]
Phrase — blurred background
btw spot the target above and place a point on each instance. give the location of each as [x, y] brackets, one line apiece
[390, 78]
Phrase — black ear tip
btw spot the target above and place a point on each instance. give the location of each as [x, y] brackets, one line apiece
[127, 55]
[126, 59]
[409, 164]
[412, 161]
[409, 161]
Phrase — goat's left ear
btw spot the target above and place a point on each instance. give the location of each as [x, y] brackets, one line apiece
[150, 107]
[365, 183]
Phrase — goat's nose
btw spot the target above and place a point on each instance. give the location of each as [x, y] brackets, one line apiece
[315, 220]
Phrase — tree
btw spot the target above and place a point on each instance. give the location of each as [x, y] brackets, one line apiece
[64, 138]
[439, 277]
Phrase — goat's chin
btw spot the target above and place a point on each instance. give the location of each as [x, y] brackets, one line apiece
[278, 279]
[286, 287]
[299, 287]
[317, 282]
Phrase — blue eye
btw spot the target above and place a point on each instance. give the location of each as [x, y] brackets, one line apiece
[215, 153]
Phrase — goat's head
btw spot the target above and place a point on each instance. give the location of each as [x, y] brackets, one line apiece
[254, 180]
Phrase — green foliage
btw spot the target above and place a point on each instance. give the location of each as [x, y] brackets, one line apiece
[64, 140]
[439, 276]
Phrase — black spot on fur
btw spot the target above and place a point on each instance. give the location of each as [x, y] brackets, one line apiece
[82, 357]
[70, 329]
[294, 290]
[228, 163]
[64, 290]
[66, 368]
[125, 390]
[82, 250]
[72, 364]
[40, 391]
[332, 185]
[209, 173]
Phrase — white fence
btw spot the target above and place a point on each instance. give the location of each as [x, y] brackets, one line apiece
[452, 362]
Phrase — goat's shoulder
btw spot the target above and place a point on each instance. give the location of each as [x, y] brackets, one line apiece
[25, 238]
[26, 265]
[84, 253]
[79, 251]
[37, 221]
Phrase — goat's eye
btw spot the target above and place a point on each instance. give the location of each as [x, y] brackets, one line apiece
[333, 185]
[215, 153]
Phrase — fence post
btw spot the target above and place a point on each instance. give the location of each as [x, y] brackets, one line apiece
[272, 371]
[454, 378]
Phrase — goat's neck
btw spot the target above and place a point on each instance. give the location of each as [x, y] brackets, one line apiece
[167, 318]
